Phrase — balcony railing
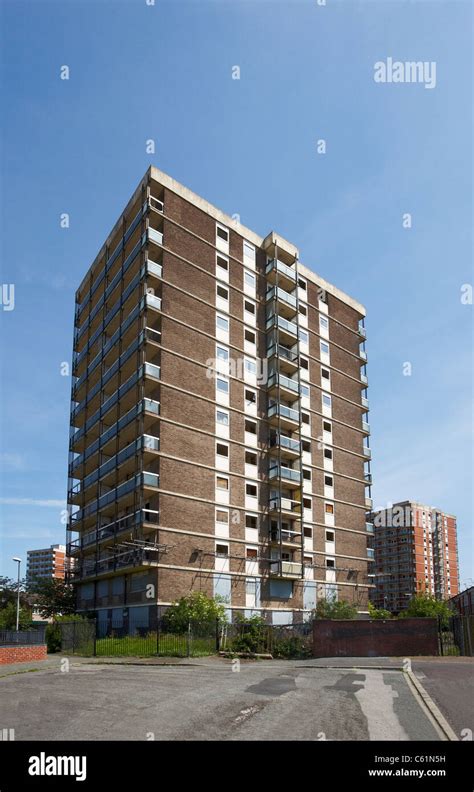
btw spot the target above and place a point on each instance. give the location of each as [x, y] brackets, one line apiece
[285, 473]
[367, 451]
[282, 324]
[153, 371]
[283, 504]
[369, 527]
[364, 379]
[277, 379]
[286, 443]
[284, 296]
[283, 411]
[365, 402]
[363, 354]
[288, 569]
[278, 267]
[366, 427]
[153, 301]
[285, 536]
[155, 203]
[155, 236]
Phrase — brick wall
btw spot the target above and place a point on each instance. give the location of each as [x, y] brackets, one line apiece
[21, 654]
[374, 638]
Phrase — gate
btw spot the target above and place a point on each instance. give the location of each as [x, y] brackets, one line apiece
[78, 637]
[456, 638]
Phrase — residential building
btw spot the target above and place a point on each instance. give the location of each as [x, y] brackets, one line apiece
[219, 431]
[49, 562]
[463, 603]
[415, 551]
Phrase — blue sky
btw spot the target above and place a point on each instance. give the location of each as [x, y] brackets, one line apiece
[164, 72]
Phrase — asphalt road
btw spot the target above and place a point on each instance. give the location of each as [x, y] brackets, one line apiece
[450, 683]
[210, 701]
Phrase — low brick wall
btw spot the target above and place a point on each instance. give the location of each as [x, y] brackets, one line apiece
[374, 637]
[22, 654]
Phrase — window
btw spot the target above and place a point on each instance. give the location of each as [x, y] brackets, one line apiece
[329, 536]
[222, 449]
[250, 397]
[302, 284]
[222, 353]
[222, 323]
[305, 418]
[251, 490]
[327, 453]
[251, 552]
[250, 458]
[222, 549]
[323, 323]
[222, 291]
[222, 233]
[324, 348]
[222, 516]
[328, 481]
[249, 307]
[222, 483]
[306, 474]
[308, 531]
[250, 426]
[304, 390]
[249, 336]
[327, 426]
[250, 366]
[222, 262]
[222, 417]
[250, 521]
[328, 508]
[327, 401]
[330, 563]
[325, 373]
[303, 336]
[307, 561]
[304, 363]
[306, 446]
[303, 310]
[249, 253]
[249, 279]
[222, 385]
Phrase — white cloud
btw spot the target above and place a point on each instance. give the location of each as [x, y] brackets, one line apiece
[61, 504]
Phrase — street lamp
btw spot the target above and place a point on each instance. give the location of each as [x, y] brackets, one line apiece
[18, 561]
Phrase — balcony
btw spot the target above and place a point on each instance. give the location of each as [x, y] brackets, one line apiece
[286, 569]
[281, 415]
[152, 301]
[280, 273]
[365, 427]
[369, 527]
[155, 236]
[286, 302]
[287, 447]
[364, 380]
[284, 358]
[363, 355]
[280, 384]
[364, 402]
[152, 371]
[285, 537]
[155, 203]
[370, 553]
[368, 479]
[287, 331]
[290, 478]
[362, 331]
[367, 452]
[285, 506]
[369, 503]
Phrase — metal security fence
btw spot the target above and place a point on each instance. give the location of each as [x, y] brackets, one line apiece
[280, 641]
[32, 637]
[456, 638]
[77, 637]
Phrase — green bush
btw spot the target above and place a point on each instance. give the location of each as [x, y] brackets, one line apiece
[53, 632]
[196, 607]
[252, 635]
[426, 605]
[291, 646]
[8, 617]
[378, 613]
[328, 609]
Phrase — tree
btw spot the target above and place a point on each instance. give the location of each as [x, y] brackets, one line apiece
[426, 605]
[328, 609]
[378, 613]
[9, 592]
[8, 617]
[195, 607]
[53, 596]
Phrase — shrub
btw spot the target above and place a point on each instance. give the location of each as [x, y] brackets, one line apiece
[251, 634]
[378, 613]
[327, 609]
[195, 607]
[426, 605]
[53, 631]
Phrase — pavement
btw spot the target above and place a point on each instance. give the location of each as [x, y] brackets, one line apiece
[219, 699]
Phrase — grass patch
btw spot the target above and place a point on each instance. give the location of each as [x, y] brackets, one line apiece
[168, 645]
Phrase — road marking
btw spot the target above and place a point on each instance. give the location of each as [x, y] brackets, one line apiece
[376, 702]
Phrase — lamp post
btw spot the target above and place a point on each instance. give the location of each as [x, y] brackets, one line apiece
[18, 561]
